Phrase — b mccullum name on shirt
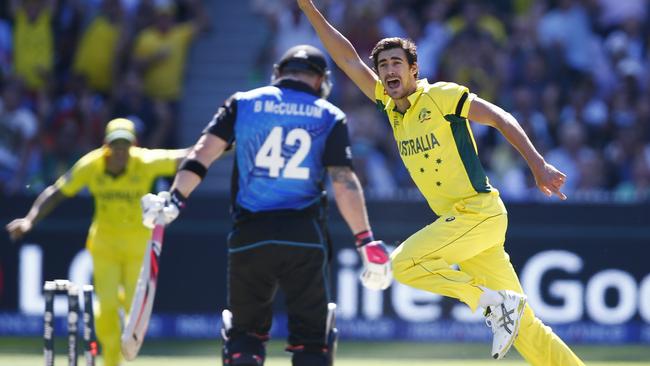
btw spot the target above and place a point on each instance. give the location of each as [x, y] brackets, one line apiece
[288, 109]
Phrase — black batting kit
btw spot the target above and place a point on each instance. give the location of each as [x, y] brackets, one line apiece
[285, 137]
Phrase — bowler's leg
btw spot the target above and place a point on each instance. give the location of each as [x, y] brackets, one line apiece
[536, 342]
[423, 260]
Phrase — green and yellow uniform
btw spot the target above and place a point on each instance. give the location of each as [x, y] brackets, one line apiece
[116, 238]
[163, 79]
[33, 48]
[436, 144]
[95, 56]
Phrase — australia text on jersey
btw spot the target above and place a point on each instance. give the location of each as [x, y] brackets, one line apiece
[288, 109]
[417, 145]
[122, 195]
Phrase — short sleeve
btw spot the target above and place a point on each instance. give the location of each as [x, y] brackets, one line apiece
[337, 147]
[223, 122]
[381, 98]
[77, 177]
[452, 98]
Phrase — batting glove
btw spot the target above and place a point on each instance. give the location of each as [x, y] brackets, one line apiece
[377, 273]
[162, 208]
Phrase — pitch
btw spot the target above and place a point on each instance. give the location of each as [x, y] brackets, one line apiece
[28, 352]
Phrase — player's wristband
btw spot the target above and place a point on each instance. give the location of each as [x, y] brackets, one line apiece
[177, 199]
[194, 166]
[363, 238]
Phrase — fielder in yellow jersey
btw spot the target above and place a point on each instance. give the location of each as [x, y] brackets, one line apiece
[117, 175]
[431, 127]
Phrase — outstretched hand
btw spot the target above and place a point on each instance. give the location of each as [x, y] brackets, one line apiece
[549, 180]
[18, 228]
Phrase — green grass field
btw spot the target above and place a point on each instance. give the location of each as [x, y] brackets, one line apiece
[28, 352]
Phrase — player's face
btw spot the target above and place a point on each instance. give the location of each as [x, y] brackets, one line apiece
[119, 154]
[396, 74]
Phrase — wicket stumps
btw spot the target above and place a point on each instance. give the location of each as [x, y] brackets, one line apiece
[52, 288]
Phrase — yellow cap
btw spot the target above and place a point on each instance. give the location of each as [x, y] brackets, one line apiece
[120, 128]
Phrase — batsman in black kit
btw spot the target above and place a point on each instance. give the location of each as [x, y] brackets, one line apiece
[286, 136]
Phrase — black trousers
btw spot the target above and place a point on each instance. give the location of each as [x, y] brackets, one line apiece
[284, 252]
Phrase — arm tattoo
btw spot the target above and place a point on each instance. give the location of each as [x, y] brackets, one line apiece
[345, 176]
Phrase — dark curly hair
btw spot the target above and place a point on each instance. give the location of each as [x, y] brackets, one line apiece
[395, 42]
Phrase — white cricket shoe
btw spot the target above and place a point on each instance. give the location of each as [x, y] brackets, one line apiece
[504, 319]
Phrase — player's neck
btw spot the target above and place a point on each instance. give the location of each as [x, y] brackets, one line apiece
[402, 104]
[114, 168]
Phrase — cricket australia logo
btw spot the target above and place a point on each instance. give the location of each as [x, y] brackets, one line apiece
[424, 115]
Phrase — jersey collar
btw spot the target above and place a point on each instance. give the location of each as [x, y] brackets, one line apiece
[421, 84]
[296, 85]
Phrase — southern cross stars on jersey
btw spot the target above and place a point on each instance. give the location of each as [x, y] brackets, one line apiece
[285, 136]
[436, 143]
[117, 199]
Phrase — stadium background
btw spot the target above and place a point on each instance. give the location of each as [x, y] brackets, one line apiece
[574, 72]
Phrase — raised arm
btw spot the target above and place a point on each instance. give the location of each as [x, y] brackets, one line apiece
[549, 180]
[341, 50]
[201, 17]
[44, 203]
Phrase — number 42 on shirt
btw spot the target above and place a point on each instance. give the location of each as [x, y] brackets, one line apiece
[270, 156]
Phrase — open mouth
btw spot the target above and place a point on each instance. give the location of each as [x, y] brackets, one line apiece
[393, 83]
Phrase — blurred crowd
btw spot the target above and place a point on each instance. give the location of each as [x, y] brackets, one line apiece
[69, 66]
[575, 73]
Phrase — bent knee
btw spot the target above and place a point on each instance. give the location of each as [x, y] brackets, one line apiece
[401, 268]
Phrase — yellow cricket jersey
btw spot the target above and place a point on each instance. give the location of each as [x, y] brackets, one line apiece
[436, 143]
[96, 53]
[117, 199]
[163, 79]
[33, 48]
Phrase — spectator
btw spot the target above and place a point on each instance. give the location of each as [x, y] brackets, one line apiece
[613, 13]
[160, 54]
[476, 20]
[101, 48]
[161, 50]
[288, 27]
[132, 103]
[33, 42]
[6, 49]
[76, 126]
[566, 30]
[637, 188]
[18, 132]
[571, 153]
[434, 39]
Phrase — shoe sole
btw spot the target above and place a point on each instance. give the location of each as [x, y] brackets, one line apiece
[520, 311]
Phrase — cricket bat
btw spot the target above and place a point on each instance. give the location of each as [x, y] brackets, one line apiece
[145, 291]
